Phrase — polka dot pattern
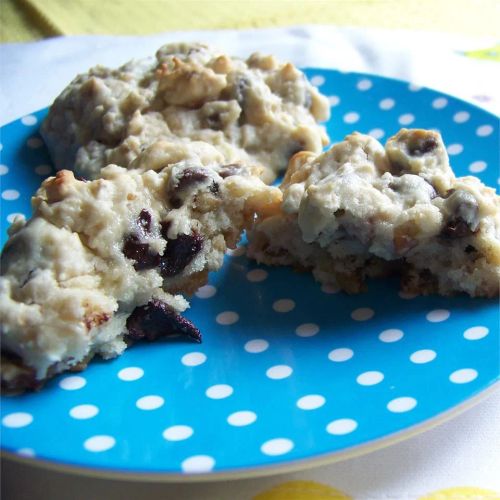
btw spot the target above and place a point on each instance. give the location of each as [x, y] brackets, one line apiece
[198, 464]
[284, 305]
[100, 443]
[219, 391]
[277, 446]
[72, 383]
[84, 412]
[241, 418]
[178, 433]
[315, 360]
[152, 402]
[341, 426]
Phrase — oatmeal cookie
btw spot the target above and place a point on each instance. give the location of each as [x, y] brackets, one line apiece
[101, 262]
[361, 210]
[257, 110]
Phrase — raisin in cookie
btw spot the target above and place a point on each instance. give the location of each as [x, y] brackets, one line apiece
[100, 263]
[259, 110]
[361, 210]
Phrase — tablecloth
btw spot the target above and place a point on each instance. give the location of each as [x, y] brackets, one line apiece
[32, 19]
[458, 460]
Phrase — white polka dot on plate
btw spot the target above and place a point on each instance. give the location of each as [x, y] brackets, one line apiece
[463, 376]
[391, 335]
[377, 133]
[341, 426]
[364, 84]
[330, 289]
[454, 149]
[256, 345]
[351, 117]
[193, 359]
[34, 142]
[279, 372]
[17, 420]
[311, 402]
[83, 412]
[10, 194]
[477, 166]
[307, 330]
[29, 120]
[414, 87]
[241, 418]
[257, 275]
[4, 169]
[99, 443]
[370, 378]
[386, 104]
[11, 217]
[438, 315]
[227, 318]
[406, 119]
[198, 464]
[423, 356]
[401, 405]
[484, 130]
[362, 314]
[205, 292]
[440, 103]
[461, 117]
[43, 169]
[72, 383]
[219, 391]
[26, 452]
[341, 354]
[334, 100]
[284, 305]
[318, 80]
[130, 373]
[406, 295]
[151, 402]
[277, 446]
[476, 332]
[177, 433]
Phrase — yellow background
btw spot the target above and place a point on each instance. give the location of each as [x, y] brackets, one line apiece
[23, 20]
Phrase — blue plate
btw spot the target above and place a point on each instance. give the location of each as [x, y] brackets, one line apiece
[288, 371]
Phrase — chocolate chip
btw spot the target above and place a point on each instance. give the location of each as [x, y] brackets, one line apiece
[213, 121]
[135, 249]
[420, 145]
[179, 252]
[139, 252]
[456, 228]
[144, 221]
[229, 170]
[189, 177]
[240, 91]
[463, 210]
[157, 319]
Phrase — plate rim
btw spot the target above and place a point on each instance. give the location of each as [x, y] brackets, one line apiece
[262, 470]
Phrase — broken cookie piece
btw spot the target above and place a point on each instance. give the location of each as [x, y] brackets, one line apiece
[258, 110]
[361, 210]
[100, 262]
